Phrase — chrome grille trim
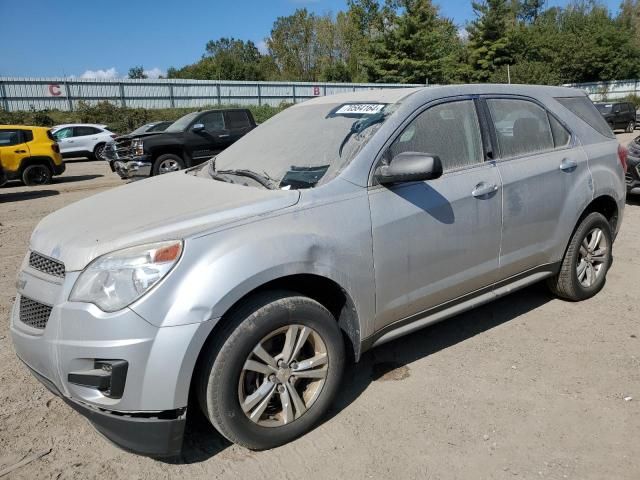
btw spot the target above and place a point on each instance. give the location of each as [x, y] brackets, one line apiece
[46, 265]
[34, 314]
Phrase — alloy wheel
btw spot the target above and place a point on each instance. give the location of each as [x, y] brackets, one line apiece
[283, 376]
[168, 165]
[592, 258]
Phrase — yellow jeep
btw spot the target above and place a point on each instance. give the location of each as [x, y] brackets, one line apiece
[30, 154]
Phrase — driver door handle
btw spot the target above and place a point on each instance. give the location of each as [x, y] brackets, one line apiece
[568, 164]
[482, 189]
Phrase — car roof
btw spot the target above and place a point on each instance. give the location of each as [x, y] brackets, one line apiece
[65, 125]
[22, 127]
[393, 95]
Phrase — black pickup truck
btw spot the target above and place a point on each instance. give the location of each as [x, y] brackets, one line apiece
[188, 141]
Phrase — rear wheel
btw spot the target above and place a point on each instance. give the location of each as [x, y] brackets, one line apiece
[34, 175]
[274, 371]
[167, 163]
[631, 126]
[98, 151]
[586, 261]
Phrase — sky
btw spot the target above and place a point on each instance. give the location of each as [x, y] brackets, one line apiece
[104, 39]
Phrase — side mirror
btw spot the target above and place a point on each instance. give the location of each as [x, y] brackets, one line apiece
[198, 127]
[409, 167]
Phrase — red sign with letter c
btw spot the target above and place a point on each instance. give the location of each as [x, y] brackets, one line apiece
[54, 90]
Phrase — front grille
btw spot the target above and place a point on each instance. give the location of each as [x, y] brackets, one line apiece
[628, 178]
[121, 149]
[34, 314]
[46, 265]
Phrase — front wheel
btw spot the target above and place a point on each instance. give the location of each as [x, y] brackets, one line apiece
[167, 163]
[273, 372]
[586, 261]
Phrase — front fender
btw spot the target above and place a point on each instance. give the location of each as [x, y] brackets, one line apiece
[219, 269]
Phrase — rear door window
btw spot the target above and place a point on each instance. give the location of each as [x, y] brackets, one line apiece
[449, 130]
[236, 119]
[84, 131]
[522, 127]
[10, 137]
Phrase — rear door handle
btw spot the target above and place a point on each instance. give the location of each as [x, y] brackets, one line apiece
[223, 135]
[19, 151]
[568, 165]
[482, 189]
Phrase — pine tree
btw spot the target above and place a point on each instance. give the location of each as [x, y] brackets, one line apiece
[488, 37]
[416, 45]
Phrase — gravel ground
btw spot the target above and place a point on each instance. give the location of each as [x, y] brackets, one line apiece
[525, 387]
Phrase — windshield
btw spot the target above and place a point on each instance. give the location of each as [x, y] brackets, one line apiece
[182, 123]
[142, 129]
[301, 146]
[604, 107]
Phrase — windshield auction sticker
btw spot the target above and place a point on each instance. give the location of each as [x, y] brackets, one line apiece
[360, 109]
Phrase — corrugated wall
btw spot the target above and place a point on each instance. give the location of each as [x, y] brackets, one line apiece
[18, 93]
[609, 90]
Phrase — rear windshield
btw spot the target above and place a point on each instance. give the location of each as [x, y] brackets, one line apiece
[583, 108]
[604, 108]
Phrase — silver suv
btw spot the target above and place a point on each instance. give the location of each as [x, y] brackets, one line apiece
[240, 286]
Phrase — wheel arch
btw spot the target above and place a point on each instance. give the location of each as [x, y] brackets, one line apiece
[37, 160]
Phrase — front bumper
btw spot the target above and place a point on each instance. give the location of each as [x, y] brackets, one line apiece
[148, 414]
[132, 168]
[632, 177]
[144, 435]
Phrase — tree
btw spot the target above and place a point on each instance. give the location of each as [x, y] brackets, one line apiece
[137, 72]
[488, 38]
[415, 46]
[226, 59]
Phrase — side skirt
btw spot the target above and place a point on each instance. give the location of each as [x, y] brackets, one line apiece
[459, 305]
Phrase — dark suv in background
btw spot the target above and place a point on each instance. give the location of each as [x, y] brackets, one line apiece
[619, 115]
[188, 141]
[633, 167]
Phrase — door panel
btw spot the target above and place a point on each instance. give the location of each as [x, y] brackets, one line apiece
[13, 149]
[434, 241]
[437, 240]
[205, 143]
[540, 171]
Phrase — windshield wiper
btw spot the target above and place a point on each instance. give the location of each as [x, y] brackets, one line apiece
[361, 125]
[262, 179]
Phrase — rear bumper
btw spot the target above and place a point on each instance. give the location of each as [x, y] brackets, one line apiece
[59, 169]
[157, 434]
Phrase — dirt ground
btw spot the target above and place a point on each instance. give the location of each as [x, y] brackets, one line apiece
[525, 387]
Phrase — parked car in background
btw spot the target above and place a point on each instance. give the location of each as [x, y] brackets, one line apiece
[83, 139]
[188, 141]
[29, 154]
[619, 115]
[340, 224]
[633, 173]
[638, 118]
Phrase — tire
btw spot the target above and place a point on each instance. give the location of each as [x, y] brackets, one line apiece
[34, 175]
[574, 281]
[631, 126]
[167, 163]
[224, 381]
[98, 151]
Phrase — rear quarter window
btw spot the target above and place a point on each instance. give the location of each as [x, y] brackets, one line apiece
[236, 119]
[583, 108]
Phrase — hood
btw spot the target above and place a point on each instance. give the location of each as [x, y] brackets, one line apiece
[137, 135]
[166, 207]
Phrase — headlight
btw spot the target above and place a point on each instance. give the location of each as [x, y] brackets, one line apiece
[137, 146]
[117, 279]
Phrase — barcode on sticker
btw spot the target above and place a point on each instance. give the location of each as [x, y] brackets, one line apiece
[361, 108]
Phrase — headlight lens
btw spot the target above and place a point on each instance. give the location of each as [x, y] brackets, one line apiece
[138, 146]
[117, 279]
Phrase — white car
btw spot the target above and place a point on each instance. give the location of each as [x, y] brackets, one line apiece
[82, 139]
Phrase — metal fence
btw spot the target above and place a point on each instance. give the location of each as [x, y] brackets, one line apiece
[64, 93]
[610, 90]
